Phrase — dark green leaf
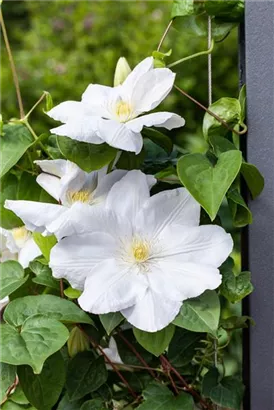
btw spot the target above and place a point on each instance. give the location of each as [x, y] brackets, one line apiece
[228, 11]
[12, 277]
[50, 306]
[129, 160]
[182, 8]
[7, 377]
[220, 144]
[208, 184]
[155, 342]
[88, 157]
[28, 188]
[66, 404]
[9, 184]
[19, 396]
[43, 275]
[241, 214]
[200, 314]
[45, 243]
[38, 338]
[182, 347]
[95, 404]
[111, 320]
[253, 179]
[126, 353]
[10, 405]
[85, 375]
[235, 288]
[227, 392]
[14, 142]
[158, 138]
[236, 322]
[43, 390]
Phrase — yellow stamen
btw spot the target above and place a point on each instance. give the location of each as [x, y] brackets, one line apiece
[20, 236]
[123, 111]
[140, 250]
[80, 196]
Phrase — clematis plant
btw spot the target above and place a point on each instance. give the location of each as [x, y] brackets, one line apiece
[147, 254]
[114, 115]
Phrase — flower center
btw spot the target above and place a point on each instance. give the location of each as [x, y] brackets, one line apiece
[123, 111]
[79, 196]
[141, 251]
[20, 236]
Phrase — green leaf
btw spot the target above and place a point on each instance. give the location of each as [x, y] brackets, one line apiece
[19, 396]
[9, 184]
[242, 100]
[66, 404]
[38, 338]
[235, 288]
[77, 342]
[253, 179]
[158, 397]
[129, 160]
[43, 275]
[200, 314]
[28, 188]
[155, 342]
[88, 157]
[237, 322]
[228, 109]
[182, 347]
[94, 404]
[229, 11]
[208, 184]
[227, 392]
[50, 306]
[12, 277]
[126, 353]
[182, 8]
[220, 145]
[45, 243]
[241, 214]
[158, 138]
[10, 405]
[72, 293]
[111, 320]
[43, 390]
[49, 102]
[7, 377]
[14, 142]
[86, 374]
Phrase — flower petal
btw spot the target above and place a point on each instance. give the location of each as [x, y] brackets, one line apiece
[127, 196]
[112, 286]
[142, 68]
[68, 110]
[107, 183]
[96, 97]
[73, 258]
[83, 129]
[29, 252]
[35, 215]
[117, 135]
[56, 167]
[151, 89]
[176, 206]
[50, 184]
[153, 312]
[158, 119]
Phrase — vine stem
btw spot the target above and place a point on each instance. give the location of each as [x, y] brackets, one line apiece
[12, 65]
[35, 105]
[165, 34]
[201, 53]
[210, 112]
[98, 347]
[167, 371]
[12, 386]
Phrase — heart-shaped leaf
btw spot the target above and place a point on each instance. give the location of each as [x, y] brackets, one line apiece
[158, 397]
[38, 338]
[45, 243]
[43, 275]
[12, 277]
[200, 314]
[235, 288]
[155, 342]
[208, 184]
[111, 320]
[50, 306]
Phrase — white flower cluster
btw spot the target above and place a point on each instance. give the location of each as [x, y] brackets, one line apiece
[126, 250]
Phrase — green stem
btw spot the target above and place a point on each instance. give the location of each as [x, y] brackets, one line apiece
[201, 53]
[31, 130]
[35, 105]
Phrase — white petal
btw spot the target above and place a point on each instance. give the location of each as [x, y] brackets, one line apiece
[175, 206]
[50, 184]
[9, 243]
[127, 196]
[96, 97]
[55, 167]
[83, 129]
[206, 244]
[72, 180]
[158, 119]
[29, 252]
[151, 89]
[153, 312]
[74, 257]
[117, 135]
[142, 68]
[35, 214]
[112, 286]
[107, 183]
[112, 351]
[68, 110]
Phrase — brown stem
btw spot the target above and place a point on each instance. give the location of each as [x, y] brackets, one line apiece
[164, 35]
[12, 65]
[12, 386]
[132, 348]
[167, 372]
[96, 346]
[210, 112]
[185, 384]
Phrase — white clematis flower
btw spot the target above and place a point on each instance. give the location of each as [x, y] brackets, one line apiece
[142, 255]
[18, 245]
[69, 185]
[109, 114]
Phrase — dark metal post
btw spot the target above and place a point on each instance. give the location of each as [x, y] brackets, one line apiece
[259, 58]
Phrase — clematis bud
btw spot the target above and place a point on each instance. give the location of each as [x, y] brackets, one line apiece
[77, 342]
[122, 70]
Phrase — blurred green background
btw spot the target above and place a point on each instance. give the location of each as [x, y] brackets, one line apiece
[62, 46]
